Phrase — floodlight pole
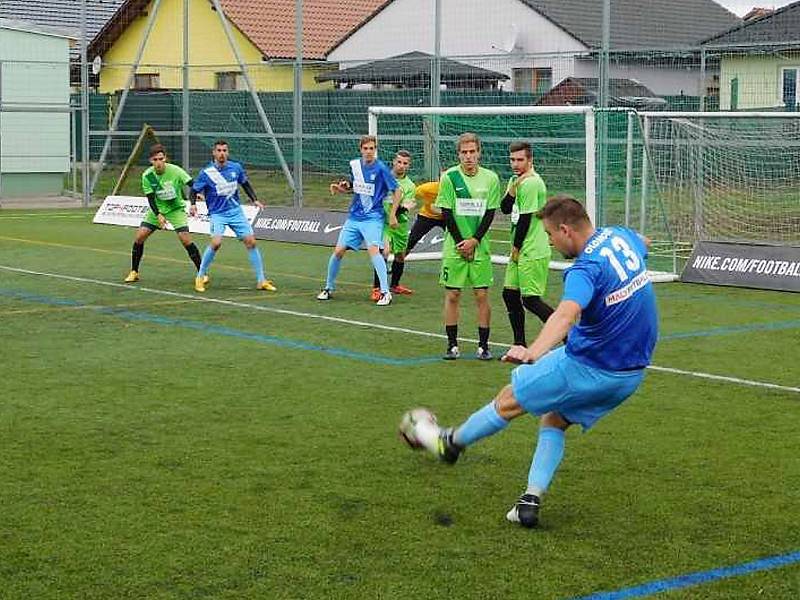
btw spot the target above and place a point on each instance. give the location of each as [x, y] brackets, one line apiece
[436, 89]
[298, 103]
[256, 100]
[603, 92]
[85, 189]
[151, 21]
[643, 200]
[629, 169]
[185, 91]
[1, 130]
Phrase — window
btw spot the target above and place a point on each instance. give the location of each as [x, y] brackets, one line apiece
[533, 81]
[789, 79]
[146, 81]
[523, 80]
[230, 80]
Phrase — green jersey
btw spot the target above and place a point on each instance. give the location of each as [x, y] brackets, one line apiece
[168, 187]
[469, 197]
[531, 196]
[408, 191]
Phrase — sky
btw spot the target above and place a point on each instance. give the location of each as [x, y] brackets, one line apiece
[742, 7]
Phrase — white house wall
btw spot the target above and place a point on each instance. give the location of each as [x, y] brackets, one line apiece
[661, 80]
[34, 69]
[469, 29]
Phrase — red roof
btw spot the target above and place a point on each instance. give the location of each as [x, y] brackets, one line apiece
[270, 24]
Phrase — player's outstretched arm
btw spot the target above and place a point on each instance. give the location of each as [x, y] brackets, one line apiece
[554, 331]
[251, 193]
[397, 196]
[189, 193]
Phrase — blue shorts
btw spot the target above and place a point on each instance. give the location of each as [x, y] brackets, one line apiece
[579, 393]
[234, 219]
[354, 232]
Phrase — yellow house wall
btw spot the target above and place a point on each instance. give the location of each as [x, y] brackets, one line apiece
[209, 53]
[760, 80]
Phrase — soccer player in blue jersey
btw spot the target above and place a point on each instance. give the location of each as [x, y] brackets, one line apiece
[218, 182]
[608, 308]
[370, 182]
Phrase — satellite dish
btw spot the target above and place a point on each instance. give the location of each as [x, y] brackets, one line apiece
[510, 41]
[97, 65]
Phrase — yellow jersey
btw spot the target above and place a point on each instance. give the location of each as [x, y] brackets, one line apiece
[427, 192]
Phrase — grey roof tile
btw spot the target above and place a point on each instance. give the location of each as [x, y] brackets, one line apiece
[62, 14]
[639, 23]
[781, 26]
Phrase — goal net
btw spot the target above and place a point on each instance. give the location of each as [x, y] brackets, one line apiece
[566, 153]
[726, 176]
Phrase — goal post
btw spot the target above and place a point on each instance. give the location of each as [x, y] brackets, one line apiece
[723, 176]
[587, 113]
[564, 141]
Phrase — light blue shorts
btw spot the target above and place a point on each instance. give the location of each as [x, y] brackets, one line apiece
[234, 219]
[354, 232]
[579, 393]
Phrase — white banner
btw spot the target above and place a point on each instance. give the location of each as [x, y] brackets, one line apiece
[129, 211]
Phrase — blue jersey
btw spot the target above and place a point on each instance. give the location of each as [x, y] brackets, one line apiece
[371, 183]
[619, 320]
[220, 185]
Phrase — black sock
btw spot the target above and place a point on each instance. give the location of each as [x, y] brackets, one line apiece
[452, 335]
[483, 337]
[537, 306]
[375, 281]
[194, 254]
[136, 255]
[397, 272]
[516, 314]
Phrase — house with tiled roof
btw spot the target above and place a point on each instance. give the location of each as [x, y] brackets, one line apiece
[760, 61]
[62, 16]
[538, 43]
[35, 73]
[263, 29]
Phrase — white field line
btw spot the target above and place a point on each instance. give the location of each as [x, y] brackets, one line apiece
[86, 216]
[365, 324]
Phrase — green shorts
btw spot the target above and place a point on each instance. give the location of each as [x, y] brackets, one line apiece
[458, 273]
[398, 238]
[528, 275]
[177, 218]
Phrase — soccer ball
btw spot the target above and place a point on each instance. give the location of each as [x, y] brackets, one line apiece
[408, 425]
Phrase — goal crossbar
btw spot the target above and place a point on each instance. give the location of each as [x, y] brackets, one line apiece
[586, 111]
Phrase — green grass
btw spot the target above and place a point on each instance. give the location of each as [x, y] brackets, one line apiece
[155, 446]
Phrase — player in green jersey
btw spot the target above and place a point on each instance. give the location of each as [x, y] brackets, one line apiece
[164, 184]
[397, 237]
[526, 274]
[468, 197]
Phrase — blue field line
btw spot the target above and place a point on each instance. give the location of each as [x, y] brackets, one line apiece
[732, 329]
[682, 581]
[220, 330]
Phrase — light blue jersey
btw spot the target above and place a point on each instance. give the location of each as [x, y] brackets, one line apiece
[371, 183]
[619, 320]
[220, 186]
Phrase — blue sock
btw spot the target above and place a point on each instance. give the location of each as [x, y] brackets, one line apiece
[208, 258]
[258, 265]
[480, 424]
[333, 270]
[548, 455]
[380, 268]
